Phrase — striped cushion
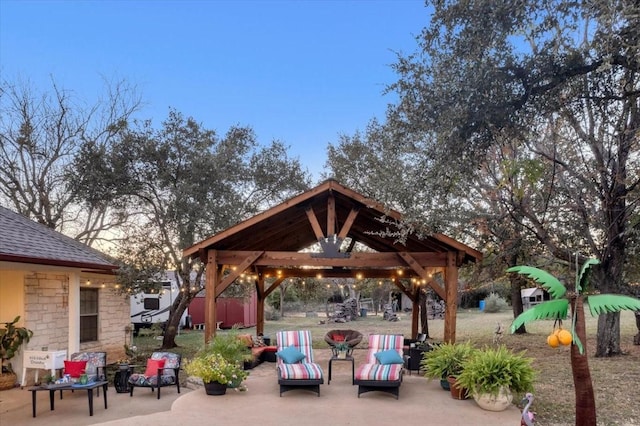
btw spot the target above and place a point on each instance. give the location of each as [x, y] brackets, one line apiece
[383, 342]
[388, 372]
[299, 371]
[300, 340]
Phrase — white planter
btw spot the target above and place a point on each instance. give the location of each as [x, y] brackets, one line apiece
[498, 402]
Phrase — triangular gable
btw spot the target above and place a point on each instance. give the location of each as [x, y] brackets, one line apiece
[299, 222]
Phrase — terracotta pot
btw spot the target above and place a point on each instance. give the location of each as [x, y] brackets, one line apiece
[457, 392]
[215, 388]
[498, 402]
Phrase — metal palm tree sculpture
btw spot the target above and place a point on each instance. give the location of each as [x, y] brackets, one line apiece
[557, 308]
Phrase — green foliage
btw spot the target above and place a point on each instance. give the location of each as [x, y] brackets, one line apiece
[490, 369]
[582, 279]
[553, 309]
[229, 346]
[446, 360]
[494, 303]
[11, 338]
[546, 280]
[341, 347]
[607, 303]
[214, 367]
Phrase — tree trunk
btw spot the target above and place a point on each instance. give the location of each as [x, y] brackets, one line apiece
[608, 335]
[585, 398]
[282, 289]
[424, 315]
[179, 306]
[610, 276]
[516, 299]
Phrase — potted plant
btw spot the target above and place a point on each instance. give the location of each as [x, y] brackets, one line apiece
[230, 346]
[445, 362]
[341, 350]
[492, 374]
[217, 372]
[11, 339]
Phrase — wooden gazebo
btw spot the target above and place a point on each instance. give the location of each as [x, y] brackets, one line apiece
[269, 247]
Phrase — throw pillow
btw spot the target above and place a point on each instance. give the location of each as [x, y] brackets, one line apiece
[258, 341]
[389, 357]
[152, 367]
[338, 338]
[247, 339]
[290, 355]
[75, 368]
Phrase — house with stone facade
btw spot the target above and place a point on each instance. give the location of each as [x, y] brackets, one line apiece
[63, 290]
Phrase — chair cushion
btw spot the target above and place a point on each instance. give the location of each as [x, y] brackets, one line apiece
[75, 368]
[300, 371]
[382, 372]
[389, 357]
[96, 361]
[290, 355]
[299, 339]
[152, 367]
[142, 380]
[171, 361]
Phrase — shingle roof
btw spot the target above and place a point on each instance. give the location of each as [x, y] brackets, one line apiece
[25, 241]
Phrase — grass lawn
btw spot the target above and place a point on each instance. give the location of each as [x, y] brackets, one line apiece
[615, 380]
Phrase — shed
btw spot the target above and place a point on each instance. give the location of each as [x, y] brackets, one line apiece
[533, 296]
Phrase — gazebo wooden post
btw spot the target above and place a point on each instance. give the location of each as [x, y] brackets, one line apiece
[211, 283]
[451, 291]
[260, 305]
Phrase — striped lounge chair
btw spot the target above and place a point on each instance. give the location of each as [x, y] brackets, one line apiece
[295, 366]
[383, 369]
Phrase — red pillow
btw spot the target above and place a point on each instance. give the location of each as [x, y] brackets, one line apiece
[152, 367]
[75, 368]
[338, 338]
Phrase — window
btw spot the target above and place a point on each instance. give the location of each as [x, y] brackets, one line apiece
[88, 314]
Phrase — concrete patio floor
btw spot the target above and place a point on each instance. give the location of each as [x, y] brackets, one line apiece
[338, 404]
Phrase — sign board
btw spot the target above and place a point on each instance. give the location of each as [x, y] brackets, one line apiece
[46, 360]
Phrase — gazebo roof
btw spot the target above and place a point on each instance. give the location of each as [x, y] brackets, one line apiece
[287, 226]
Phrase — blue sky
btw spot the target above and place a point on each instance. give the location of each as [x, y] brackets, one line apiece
[301, 72]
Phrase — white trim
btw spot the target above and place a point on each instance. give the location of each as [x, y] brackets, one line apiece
[74, 313]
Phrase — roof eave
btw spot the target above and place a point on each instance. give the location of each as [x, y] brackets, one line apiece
[94, 267]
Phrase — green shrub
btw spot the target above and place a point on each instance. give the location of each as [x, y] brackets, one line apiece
[446, 360]
[230, 346]
[494, 303]
[490, 369]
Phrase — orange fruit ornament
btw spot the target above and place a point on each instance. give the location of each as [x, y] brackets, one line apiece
[564, 337]
[553, 341]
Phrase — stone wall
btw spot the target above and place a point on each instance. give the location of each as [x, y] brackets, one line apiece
[46, 310]
[47, 314]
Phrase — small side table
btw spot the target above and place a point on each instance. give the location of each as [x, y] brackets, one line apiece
[348, 358]
[121, 378]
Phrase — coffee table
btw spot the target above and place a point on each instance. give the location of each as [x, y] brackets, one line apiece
[89, 387]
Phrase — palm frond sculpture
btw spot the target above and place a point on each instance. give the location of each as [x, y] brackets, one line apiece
[558, 308]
